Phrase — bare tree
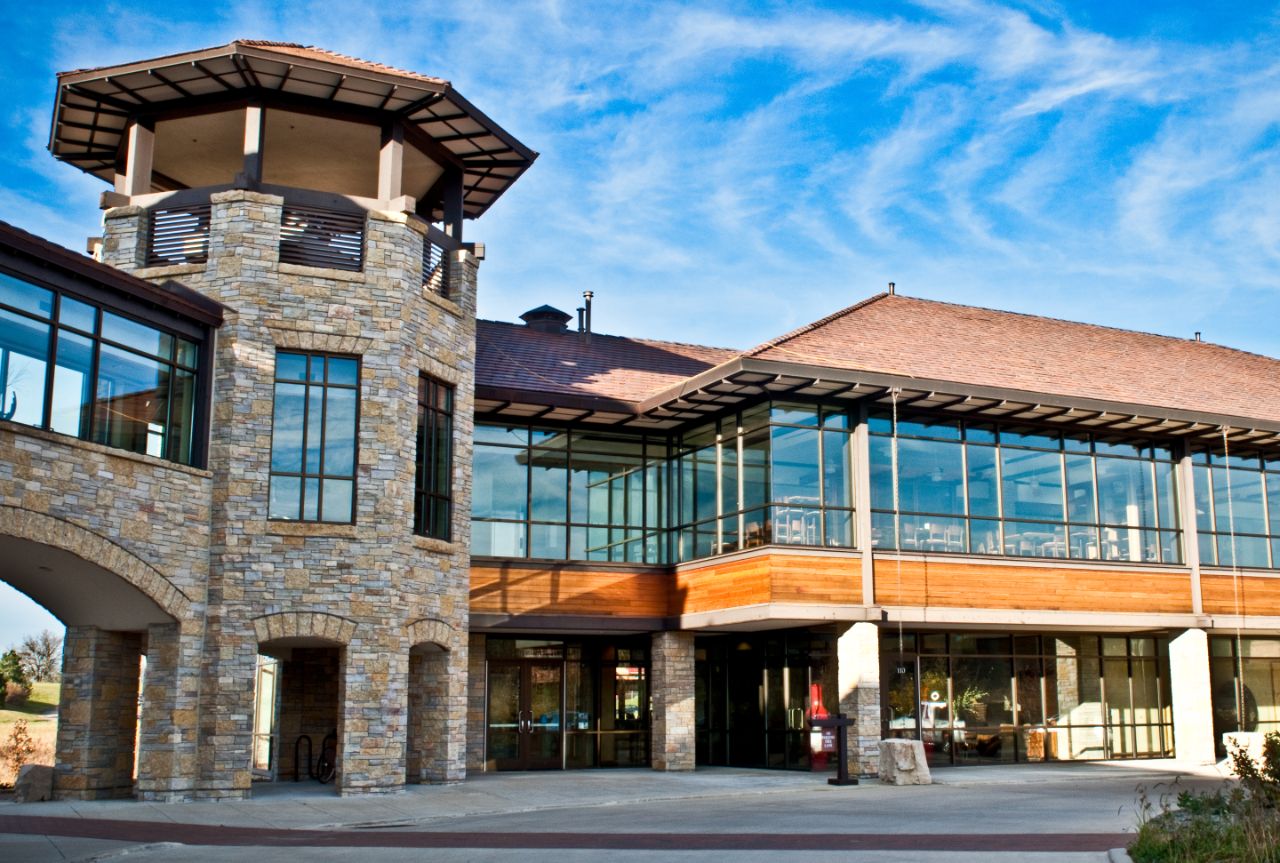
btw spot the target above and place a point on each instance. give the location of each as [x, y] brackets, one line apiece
[41, 655]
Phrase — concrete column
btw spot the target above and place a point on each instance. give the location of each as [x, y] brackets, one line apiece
[373, 719]
[1192, 697]
[671, 682]
[437, 715]
[858, 657]
[477, 703]
[97, 714]
[167, 732]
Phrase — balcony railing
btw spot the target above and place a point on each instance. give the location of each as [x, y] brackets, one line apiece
[315, 237]
[178, 235]
[436, 265]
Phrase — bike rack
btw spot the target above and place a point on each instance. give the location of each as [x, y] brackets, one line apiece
[297, 745]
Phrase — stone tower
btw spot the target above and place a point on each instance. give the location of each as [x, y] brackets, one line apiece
[320, 199]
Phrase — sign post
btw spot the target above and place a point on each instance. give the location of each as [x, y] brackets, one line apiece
[840, 724]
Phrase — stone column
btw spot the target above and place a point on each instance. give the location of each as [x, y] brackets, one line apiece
[477, 703]
[1192, 697]
[97, 714]
[124, 237]
[167, 731]
[374, 704]
[437, 715]
[858, 657]
[671, 681]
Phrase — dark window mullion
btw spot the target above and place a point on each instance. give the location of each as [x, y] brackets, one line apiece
[51, 364]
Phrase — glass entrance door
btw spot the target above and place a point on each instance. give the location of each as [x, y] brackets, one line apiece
[787, 709]
[525, 709]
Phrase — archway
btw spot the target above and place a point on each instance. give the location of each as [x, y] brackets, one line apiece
[117, 609]
[435, 748]
[304, 711]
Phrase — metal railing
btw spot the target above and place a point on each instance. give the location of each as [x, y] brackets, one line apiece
[178, 235]
[436, 266]
[316, 237]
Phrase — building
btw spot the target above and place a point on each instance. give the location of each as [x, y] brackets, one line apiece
[263, 442]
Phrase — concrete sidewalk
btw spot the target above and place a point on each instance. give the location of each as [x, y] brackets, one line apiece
[1023, 812]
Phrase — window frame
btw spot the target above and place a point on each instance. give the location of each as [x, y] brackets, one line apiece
[320, 476]
[62, 284]
[425, 497]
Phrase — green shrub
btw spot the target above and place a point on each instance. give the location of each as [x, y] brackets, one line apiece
[1238, 824]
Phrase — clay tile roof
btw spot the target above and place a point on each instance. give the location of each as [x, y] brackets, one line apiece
[938, 341]
[515, 357]
[294, 49]
[310, 52]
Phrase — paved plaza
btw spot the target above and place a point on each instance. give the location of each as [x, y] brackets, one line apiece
[1056, 812]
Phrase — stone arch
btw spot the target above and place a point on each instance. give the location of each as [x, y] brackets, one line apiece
[437, 702]
[431, 630]
[304, 624]
[58, 533]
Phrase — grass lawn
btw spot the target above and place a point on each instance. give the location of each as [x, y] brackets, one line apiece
[41, 713]
[42, 703]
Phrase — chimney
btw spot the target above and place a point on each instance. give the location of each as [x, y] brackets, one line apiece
[587, 296]
[892, 289]
[1197, 335]
[546, 319]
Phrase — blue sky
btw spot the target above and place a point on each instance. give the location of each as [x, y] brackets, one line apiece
[722, 172]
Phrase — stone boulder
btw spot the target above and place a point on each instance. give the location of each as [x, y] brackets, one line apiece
[1248, 742]
[34, 783]
[902, 762]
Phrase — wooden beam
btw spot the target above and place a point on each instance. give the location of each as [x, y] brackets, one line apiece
[391, 161]
[139, 154]
[254, 118]
[453, 205]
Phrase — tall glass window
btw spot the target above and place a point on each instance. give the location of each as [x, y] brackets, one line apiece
[1008, 490]
[777, 474]
[433, 477]
[989, 697]
[1237, 501]
[77, 368]
[1245, 678]
[564, 494]
[313, 444]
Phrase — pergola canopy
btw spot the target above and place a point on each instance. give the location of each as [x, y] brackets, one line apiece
[95, 107]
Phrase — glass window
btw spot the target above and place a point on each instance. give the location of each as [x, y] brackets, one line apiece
[313, 445]
[433, 473]
[133, 395]
[1032, 484]
[24, 360]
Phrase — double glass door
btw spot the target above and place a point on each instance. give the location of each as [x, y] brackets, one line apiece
[525, 696]
[757, 696]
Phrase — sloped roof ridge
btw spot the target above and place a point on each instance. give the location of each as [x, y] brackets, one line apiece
[321, 54]
[1086, 324]
[809, 327]
[734, 351]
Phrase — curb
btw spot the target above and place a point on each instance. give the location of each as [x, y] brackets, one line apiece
[1118, 855]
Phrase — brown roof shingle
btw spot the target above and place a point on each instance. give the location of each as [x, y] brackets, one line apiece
[516, 357]
[910, 337]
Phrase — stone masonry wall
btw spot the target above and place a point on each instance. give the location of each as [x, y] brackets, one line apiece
[146, 521]
[373, 573]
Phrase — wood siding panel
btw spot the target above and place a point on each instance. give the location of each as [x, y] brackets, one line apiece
[1257, 594]
[976, 585]
[557, 590]
[803, 579]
